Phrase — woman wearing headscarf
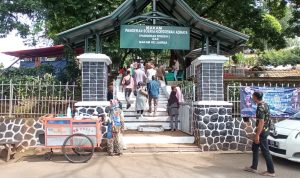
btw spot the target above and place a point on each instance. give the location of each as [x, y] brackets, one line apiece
[141, 99]
[173, 107]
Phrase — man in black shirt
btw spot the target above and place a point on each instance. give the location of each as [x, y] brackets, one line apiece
[262, 132]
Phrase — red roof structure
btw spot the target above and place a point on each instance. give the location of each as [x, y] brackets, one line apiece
[53, 51]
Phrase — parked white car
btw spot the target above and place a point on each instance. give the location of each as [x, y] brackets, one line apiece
[284, 139]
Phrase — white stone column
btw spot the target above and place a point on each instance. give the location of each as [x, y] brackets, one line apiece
[209, 74]
[94, 76]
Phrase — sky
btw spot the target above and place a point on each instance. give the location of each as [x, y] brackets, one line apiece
[14, 42]
[10, 43]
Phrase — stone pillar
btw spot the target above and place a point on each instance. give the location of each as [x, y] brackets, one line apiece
[209, 73]
[213, 121]
[94, 86]
[214, 125]
[94, 76]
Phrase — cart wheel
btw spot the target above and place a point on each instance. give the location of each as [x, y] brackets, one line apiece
[78, 148]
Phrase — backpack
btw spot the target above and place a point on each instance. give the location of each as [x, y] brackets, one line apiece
[127, 82]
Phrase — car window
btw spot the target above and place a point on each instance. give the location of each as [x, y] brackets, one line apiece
[296, 117]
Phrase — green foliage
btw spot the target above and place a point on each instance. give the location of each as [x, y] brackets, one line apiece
[260, 21]
[267, 22]
[243, 60]
[280, 57]
[43, 73]
[270, 22]
[12, 15]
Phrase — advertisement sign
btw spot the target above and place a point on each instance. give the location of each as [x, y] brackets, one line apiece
[283, 102]
[154, 37]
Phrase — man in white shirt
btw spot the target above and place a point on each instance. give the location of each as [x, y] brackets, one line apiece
[150, 72]
[139, 75]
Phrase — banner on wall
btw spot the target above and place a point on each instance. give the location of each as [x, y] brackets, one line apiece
[283, 102]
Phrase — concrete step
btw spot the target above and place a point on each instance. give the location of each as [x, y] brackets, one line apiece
[122, 99]
[167, 137]
[159, 103]
[135, 125]
[151, 128]
[155, 148]
[148, 119]
[146, 114]
[159, 109]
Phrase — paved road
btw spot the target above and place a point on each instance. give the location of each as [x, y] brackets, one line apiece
[182, 165]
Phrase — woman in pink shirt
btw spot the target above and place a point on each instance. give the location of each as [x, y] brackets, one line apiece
[128, 84]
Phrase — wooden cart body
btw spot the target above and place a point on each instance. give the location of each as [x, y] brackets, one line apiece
[58, 129]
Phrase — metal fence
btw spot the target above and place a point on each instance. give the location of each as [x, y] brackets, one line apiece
[190, 71]
[233, 92]
[36, 99]
[235, 71]
[188, 91]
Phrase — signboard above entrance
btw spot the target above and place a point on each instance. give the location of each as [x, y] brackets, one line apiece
[155, 37]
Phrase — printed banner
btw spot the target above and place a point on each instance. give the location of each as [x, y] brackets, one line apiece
[283, 102]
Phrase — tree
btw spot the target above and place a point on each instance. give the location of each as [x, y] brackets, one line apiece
[259, 19]
[14, 14]
[253, 17]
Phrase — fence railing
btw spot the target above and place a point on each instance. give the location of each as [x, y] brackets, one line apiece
[233, 93]
[235, 71]
[188, 91]
[190, 71]
[36, 99]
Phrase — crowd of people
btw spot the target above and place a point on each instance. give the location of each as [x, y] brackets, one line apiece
[144, 81]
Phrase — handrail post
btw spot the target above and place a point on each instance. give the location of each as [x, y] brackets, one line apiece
[11, 95]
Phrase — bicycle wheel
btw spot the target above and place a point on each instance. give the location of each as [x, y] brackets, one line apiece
[78, 148]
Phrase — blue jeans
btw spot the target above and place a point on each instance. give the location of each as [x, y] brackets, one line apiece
[264, 147]
[175, 74]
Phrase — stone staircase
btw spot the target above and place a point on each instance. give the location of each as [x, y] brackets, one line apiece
[152, 133]
[161, 119]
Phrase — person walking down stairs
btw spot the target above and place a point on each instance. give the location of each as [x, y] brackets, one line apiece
[153, 91]
[128, 84]
[173, 107]
[141, 99]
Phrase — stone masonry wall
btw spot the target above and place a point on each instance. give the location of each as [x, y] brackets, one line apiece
[213, 127]
[25, 130]
[216, 129]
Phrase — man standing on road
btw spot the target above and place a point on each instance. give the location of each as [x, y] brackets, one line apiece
[262, 132]
[153, 93]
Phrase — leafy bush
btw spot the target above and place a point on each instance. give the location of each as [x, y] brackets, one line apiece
[43, 73]
[280, 57]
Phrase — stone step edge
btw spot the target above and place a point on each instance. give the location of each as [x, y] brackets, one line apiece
[162, 150]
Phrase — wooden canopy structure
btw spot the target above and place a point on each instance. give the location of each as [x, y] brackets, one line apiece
[165, 12]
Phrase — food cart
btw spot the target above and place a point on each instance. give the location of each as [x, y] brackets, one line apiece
[76, 138]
